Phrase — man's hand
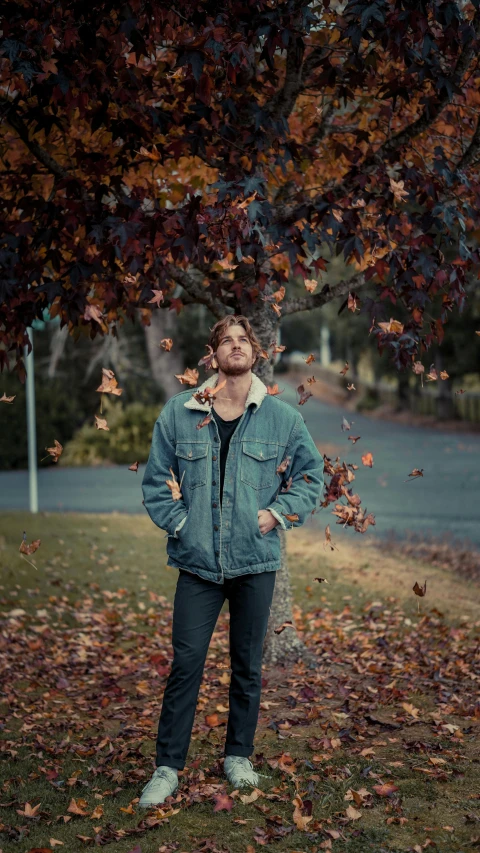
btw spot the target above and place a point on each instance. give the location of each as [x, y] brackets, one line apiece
[266, 521]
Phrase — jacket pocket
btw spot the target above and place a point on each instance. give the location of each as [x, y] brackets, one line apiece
[258, 466]
[192, 463]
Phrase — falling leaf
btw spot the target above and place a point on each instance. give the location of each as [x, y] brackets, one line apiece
[310, 284]
[92, 312]
[344, 369]
[206, 361]
[29, 549]
[345, 425]
[304, 395]
[321, 580]
[309, 358]
[101, 423]
[419, 590]
[189, 377]
[284, 465]
[432, 376]
[311, 380]
[276, 308]
[133, 467]
[417, 472]
[328, 539]
[354, 438]
[109, 383]
[291, 517]
[208, 394]
[398, 190]
[206, 420]
[367, 459]
[175, 486]
[157, 298]
[353, 302]
[56, 451]
[351, 387]
[273, 390]
[166, 344]
[5, 399]
[461, 391]
[307, 478]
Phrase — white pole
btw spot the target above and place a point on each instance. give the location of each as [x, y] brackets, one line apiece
[31, 427]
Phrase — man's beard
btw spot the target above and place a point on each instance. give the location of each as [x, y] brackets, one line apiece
[235, 366]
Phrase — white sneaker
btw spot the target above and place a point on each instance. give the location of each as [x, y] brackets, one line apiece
[163, 784]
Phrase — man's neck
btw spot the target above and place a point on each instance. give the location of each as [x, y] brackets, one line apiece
[235, 392]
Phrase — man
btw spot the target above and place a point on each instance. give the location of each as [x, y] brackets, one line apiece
[242, 472]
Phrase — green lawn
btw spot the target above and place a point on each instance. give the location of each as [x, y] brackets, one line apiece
[377, 749]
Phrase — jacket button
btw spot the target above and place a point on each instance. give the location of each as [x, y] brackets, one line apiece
[214, 505]
[214, 482]
[214, 458]
[215, 526]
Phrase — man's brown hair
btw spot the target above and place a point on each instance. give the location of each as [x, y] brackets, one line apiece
[219, 329]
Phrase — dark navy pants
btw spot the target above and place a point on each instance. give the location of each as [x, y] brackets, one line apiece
[196, 608]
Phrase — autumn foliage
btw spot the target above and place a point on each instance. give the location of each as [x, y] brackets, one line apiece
[227, 149]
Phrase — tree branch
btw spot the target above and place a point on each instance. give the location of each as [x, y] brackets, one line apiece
[327, 294]
[16, 122]
[288, 215]
[470, 152]
[191, 281]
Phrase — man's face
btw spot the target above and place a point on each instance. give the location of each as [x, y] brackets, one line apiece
[235, 352]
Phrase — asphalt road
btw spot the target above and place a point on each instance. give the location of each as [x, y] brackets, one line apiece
[444, 503]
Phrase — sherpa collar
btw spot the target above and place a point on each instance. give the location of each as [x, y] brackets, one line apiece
[255, 395]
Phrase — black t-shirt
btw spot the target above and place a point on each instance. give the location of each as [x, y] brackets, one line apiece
[226, 430]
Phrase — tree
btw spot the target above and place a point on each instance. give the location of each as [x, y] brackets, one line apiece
[219, 148]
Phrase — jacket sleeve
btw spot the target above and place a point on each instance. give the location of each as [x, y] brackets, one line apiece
[301, 497]
[166, 513]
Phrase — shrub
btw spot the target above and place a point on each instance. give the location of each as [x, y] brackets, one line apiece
[127, 440]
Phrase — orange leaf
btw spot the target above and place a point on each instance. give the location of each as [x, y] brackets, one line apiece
[101, 423]
[109, 383]
[189, 377]
[56, 451]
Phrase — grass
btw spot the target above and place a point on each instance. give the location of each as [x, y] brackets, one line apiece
[85, 646]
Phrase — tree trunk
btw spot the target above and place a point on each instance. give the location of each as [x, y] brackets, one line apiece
[286, 648]
[164, 365]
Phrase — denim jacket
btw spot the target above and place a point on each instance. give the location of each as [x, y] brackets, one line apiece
[218, 542]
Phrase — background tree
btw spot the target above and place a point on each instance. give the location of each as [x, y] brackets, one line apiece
[215, 149]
